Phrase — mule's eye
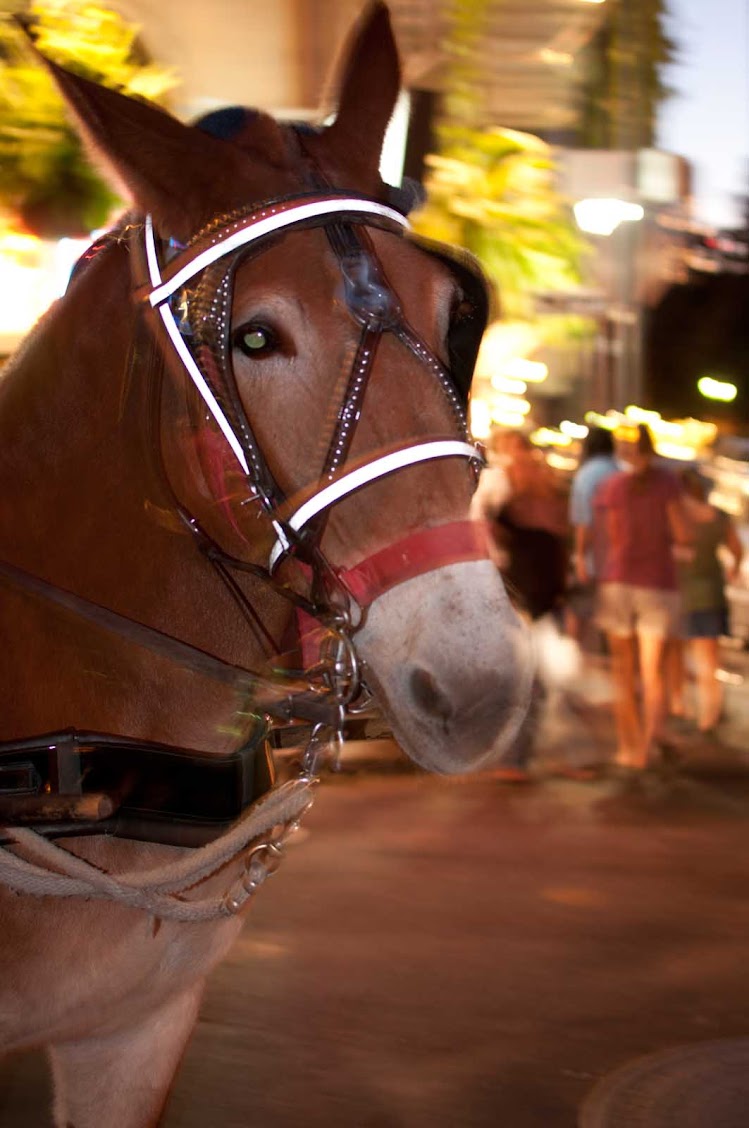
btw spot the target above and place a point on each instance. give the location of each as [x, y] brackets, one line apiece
[463, 309]
[255, 340]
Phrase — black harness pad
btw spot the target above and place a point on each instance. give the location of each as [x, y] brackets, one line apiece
[156, 792]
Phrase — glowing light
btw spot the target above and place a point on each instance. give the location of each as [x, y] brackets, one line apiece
[393, 153]
[548, 436]
[681, 439]
[574, 430]
[721, 390]
[508, 418]
[555, 58]
[33, 274]
[637, 414]
[503, 341]
[510, 403]
[608, 422]
[66, 255]
[602, 216]
[520, 368]
[560, 462]
[681, 452]
[480, 419]
[508, 384]
[25, 283]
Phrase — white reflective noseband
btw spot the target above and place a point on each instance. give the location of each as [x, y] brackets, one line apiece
[387, 464]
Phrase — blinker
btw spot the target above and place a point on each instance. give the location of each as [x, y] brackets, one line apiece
[369, 300]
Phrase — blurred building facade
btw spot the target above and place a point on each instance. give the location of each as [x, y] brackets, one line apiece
[532, 62]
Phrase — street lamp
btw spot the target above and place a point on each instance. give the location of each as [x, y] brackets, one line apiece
[721, 390]
[602, 215]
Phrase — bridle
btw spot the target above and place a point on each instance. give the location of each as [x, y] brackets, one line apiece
[337, 597]
[167, 280]
[371, 304]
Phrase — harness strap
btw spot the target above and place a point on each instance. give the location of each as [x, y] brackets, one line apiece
[370, 472]
[280, 702]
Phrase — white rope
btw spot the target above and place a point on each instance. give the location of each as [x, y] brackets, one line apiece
[62, 874]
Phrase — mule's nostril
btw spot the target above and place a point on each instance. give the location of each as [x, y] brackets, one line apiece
[428, 695]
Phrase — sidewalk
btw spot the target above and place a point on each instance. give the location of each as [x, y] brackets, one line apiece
[576, 729]
[456, 952]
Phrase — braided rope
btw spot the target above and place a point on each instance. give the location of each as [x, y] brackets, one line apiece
[157, 891]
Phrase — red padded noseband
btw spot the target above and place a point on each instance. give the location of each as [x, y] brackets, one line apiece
[420, 552]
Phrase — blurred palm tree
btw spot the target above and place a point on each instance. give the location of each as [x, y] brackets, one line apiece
[46, 181]
[624, 87]
[493, 192]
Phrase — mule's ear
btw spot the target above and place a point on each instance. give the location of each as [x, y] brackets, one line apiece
[369, 88]
[149, 157]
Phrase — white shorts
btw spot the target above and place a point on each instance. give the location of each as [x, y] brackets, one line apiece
[624, 610]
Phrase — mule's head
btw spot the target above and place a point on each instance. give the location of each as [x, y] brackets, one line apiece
[342, 341]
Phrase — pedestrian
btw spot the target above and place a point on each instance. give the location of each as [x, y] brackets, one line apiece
[526, 512]
[638, 605]
[597, 464]
[529, 526]
[702, 584]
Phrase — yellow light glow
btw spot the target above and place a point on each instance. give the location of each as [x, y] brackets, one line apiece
[502, 341]
[608, 422]
[520, 368]
[681, 452]
[681, 439]
[510, 403]
[33, 273]
[560, 462]
[721, 390]
[508, 418]
[554, 57]
[26, 288]
[666, 430]
[480, 419]
[548, 436]
[19, 246]
[508, 385]
[637, 414]
[574, 430]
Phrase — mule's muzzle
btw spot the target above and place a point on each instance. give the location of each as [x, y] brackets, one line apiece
[450, 663]
[472, 718]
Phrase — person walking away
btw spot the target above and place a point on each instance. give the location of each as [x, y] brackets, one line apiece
[530, 528]
[597, 464]
[527, 515]
[638, 604]
[702, 584]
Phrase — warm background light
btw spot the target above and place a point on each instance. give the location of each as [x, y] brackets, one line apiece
[722, 390]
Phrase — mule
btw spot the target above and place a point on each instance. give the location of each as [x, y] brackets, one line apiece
[222, 430]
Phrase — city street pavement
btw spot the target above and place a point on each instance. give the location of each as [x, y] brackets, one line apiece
[466, 953]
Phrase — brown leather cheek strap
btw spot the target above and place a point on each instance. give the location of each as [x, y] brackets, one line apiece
[420, 552]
